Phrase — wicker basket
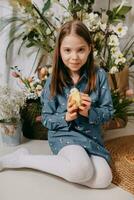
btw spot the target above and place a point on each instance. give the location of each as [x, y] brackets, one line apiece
[115, 124]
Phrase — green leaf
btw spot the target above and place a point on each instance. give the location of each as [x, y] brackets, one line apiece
[4, 22]
[76, 8]
[30, 45]
[123, 11]
[82, 2]
[11, 42]
[115, 15]
[22, 44]
[46, 6]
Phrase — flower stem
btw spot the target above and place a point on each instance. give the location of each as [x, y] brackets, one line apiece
[109, 3]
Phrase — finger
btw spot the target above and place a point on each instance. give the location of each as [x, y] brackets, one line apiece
[86, 98]
[85, 103]
[85, 106]
[72, 109]
[73, 115]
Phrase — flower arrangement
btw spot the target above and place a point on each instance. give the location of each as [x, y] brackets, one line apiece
[107, 26]
[32, 87]
[31, 111]
[11, 101]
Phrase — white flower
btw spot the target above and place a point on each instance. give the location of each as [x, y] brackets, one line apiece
[93, 17]
[113, 70]
[10, 103]
[119, 58]
[113, 40]
[92, 21]
[38, 87]
[48, 31]
[120, 30]
[115, 51]
[103, 26]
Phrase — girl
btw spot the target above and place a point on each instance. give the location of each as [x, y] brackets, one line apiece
[74, 132]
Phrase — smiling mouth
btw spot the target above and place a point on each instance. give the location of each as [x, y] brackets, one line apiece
[74, 63]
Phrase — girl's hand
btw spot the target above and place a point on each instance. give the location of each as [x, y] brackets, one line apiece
[72, 110]
[85, 104]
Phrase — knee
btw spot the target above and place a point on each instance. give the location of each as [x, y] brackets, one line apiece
[105, 179]
[79, 173]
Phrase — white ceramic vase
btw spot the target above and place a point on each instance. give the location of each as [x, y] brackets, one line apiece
[10, 134]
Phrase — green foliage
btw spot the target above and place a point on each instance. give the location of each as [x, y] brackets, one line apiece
[46, 6]
[123, 106]
[118, 14]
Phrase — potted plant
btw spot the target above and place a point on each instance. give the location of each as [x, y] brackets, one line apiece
[11, 101]
[31, 111]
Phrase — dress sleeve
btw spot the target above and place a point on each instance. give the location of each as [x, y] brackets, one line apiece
[50, 118]
[104, 109]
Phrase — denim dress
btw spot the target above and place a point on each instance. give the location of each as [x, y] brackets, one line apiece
[84, 131]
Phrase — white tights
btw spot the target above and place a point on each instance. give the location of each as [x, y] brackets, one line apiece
[71, 163]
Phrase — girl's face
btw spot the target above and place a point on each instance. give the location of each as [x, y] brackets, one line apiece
[74, 52]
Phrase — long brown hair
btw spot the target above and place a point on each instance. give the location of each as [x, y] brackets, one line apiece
[60, 73]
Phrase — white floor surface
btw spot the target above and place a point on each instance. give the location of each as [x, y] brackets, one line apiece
[27, 184]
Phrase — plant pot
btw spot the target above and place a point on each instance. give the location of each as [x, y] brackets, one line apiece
[34, 131]
[119, 81]
[10, 134]
[115, 124]
[31, 128]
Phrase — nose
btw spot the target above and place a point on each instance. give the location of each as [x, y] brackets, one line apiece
[74, 55]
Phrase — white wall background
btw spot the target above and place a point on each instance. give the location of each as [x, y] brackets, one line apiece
[26, 59]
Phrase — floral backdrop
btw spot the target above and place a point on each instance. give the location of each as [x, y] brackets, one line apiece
[37, 26]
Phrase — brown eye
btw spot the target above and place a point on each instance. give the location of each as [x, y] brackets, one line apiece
[67, 50]
[81, 50]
